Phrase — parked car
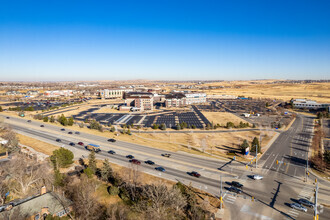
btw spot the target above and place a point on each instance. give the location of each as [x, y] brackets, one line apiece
[72, 144]
[135, 161]
[42, 126]
[306, 203]
[195, 174]
[29, 121]
[298, 207]
[166, 155]
[130, 156]
[235, 190]
[236, 184]
[257, 177]
[77, 132]
[111, 152]
[161, 169]
[112, 140]
[58, 140]
[81, 143]
[149, 162]
[62, 129]
[70, 132]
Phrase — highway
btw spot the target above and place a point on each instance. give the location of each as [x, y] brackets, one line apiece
[271, 195]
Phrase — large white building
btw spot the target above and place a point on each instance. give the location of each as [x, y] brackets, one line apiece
[56, 93]
[113, 93]
[184, 99]
[309, 104]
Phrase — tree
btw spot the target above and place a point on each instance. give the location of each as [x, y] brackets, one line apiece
[61, 158]
[1, 110]
[106, 170]
[62, 120]
[326, 156]
[70, 121]
[92, 162]
[128, 132]
[89, 173]
[155, 126]
[254, 144]
[230, 124]
[178, 127]
[112, 129]
[12, 144]
[163, 126]
[244, 145]
[52, 119]
[58, 178]
[3, 185]
[45, 119]
[267, 104]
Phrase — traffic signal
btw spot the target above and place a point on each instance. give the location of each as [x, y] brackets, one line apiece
[247, 167]
[276, 161]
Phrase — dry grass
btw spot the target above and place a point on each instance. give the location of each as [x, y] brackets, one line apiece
[37, 145]
[222, 117]
[285, 91]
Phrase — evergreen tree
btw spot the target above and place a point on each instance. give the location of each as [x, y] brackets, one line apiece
[52, 119]
[106, 170]
[45, 119]
[244, 145]
[254, 144]
[70, 121]
[61, 158]
[1, 109]
[92, 162]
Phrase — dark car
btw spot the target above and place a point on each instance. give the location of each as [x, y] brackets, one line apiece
[58, 140]
[111, 152]
[236, 184]
[135, 161]
[166, 155]
[62, 129]
[130, 156]
[81, 143]
[149, 162]
[70, 132]
[29, 121]
[235, 190]
[306, 203]
[8, 117]
[195, 174]
[161, 169]
[72, 144]
[77, 132]
[112, 140]
[42, 126]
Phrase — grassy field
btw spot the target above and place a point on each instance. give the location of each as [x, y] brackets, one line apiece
[260, 89]
[222, 117]
[39, 146]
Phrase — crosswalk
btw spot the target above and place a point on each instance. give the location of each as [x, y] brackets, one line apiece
[293, 214]
[231, 197]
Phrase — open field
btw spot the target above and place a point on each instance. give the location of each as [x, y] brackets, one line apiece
[37, 145]
[222, 117]
[259, 89]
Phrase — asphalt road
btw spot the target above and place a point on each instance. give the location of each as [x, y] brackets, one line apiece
[271, 195]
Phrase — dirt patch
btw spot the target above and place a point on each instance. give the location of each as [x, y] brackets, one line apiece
[222, 118]
[37, 145]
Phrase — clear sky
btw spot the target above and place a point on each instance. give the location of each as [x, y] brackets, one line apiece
[164, 39]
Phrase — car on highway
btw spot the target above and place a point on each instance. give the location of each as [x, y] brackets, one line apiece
[135, 161]
[112, 140]
[298, 207]
[29, 121]
[235, 190]
[195, 174]
[111, 152]
[42, 126]
[161, 169]
[166, 155]
[306, 203]
[149, 162]
[77, 132]
[81, 143]
[58, 140]
[236, 184]
[70, 132]
[72, 144]
[130, 156]
[257, 177]
[62, 129]
[8, 117]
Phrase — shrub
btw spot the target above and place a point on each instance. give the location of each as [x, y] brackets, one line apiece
[114, 191]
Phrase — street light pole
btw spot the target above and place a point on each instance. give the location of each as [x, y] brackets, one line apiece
[316, 217]
[220, 192]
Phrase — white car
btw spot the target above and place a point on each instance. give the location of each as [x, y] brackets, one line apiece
[257, 177]
[298, 207]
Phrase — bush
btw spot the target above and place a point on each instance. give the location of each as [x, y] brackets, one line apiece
[45, 119]
[88, 172]
[114, 191]
[155, 126]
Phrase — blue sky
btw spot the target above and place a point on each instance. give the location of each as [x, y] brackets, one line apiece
[166, 40]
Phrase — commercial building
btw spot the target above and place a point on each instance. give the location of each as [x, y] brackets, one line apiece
[56, 93]
[141, 100]
[184, 99]
[309, 104]
[113, 93]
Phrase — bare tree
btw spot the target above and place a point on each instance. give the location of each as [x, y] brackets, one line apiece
[159, 202]
[26, 174]
[85, 206]
[3, 185]
[15, 213]
[12, 144]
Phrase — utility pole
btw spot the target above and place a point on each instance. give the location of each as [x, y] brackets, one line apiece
[316, 216]
[256, 154]
[220, 192]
